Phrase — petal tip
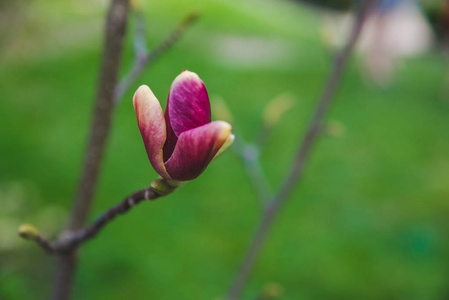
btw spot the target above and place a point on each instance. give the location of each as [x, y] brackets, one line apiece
[225, 129]
[227, 143]
[187, 75]
[143, 93]
[142, 89]
[188, 103]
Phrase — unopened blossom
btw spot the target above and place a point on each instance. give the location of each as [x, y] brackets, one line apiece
[181, 143]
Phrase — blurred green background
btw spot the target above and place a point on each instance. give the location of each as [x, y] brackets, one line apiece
[369, 220]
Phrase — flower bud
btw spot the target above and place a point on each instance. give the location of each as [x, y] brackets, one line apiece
[181, 143]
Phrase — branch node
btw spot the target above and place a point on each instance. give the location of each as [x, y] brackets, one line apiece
[163, 186]
[131, 201]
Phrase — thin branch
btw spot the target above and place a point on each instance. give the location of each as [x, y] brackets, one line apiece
[259, 182]
[74, 239]
[249, 156]
[263, 136]
[139, 35]
[85, 234]
[309, 140]
[249, 153]
[143, 58]
[257, 176]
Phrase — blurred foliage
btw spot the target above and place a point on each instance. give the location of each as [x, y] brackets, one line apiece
[437, 11]
[340, 5]
[369, 220]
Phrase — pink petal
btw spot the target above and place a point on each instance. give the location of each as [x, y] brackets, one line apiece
[195, 149]
[188, 104]
[151, 122]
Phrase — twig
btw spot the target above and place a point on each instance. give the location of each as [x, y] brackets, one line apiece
[114, 35]
[249, 155]
[85, 234]
[143, 58]
[139, 36]
[263, 136]
[159, 187]
[73, 239]
[257, 176]
[303, 152]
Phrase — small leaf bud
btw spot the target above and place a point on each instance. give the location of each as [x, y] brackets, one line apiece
[28, 232]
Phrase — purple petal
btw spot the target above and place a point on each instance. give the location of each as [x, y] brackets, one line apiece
[195, 149]
[188, 104]
[150, 120]
[170, 143]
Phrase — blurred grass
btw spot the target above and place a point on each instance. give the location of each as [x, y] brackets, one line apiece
[369, 221]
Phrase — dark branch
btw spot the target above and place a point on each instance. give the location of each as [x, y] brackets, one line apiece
[72, 240]
[113, 44]
[143, 58]
[102, 116]
[85, 234]
[309, 140]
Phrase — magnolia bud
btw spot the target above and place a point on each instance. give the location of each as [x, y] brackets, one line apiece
[182, 142]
